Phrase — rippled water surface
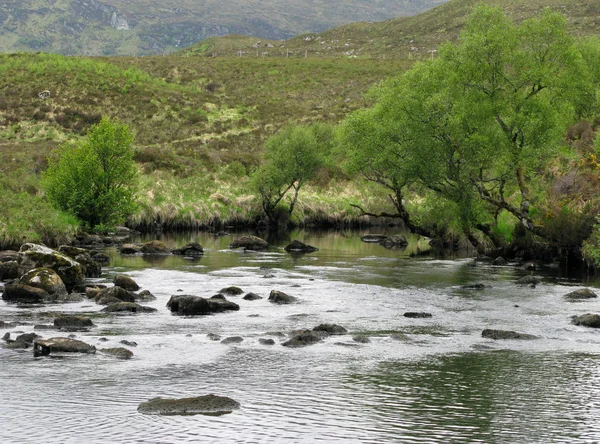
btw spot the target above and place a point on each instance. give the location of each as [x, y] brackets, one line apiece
[417, 380]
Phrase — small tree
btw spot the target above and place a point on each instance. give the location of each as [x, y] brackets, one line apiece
[95, 179]
[292, 158]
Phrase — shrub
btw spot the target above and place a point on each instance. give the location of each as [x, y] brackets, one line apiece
[95, 179]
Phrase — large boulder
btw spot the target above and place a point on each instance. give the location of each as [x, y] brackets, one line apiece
[505, 334]
[39, 256]
[43, 347]
[114, 294]
[47, 279]
[154, 247]
[193, 249]
[578, 295]
[587, 320]
[188, 305]
[25, 293]
[249, 243]
[126, 282]
[279, 297]
[299, 247]
[202, 405]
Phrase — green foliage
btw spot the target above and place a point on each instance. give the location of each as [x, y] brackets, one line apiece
[95, 179]
[26, 217]
[476, 125]
[293, 157]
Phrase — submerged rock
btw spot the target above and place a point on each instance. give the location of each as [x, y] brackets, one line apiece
[193, 249]
[154, 247]
[299, 247]
[303, 339]
[279, 297]
[249, 243]
[43, 347]
[417, 314]
[252, 297]
[395, 242]
[128, 307]
[373, 238]
[330, 329]
[118, 352]
[584, 293]
[528, 280]
[211, 405]
[231, 291]
[109, 295]
[126, 282]
[475, 287]
[587, 320]
[505, 334]
[73, 322]
[195, 305]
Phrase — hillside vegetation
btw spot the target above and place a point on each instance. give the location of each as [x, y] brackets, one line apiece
[111, 27]
[403, 37]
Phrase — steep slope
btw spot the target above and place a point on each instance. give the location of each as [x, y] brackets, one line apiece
[118, 27]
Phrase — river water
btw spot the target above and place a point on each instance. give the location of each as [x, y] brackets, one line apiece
[416, 381]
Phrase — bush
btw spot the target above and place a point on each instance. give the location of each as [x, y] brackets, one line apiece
[95, 179]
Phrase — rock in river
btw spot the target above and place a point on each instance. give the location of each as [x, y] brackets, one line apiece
[331, 329]
[39, 256]
[417, 314]
[279, 297]
[154, 247]
[46, 279]
[25, 293]
[188, 305]
[304, 338]
[43, 347]
[118, 352]
[73, 322]
[577, 295]
[126, 282]
[193, 249]
[128, 307]
[587, 320]
[202, 405]
[114, 294]
[505, 334]
[231, 291]
[299, 247]
[249, 243]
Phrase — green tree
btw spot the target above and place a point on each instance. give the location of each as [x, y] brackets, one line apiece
[292, 157]
[478, 125]
[95, 179]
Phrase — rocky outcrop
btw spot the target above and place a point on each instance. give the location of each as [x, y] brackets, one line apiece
[47, 280]
[43, 347]
[279, 297]
[587, 320]
[249, 243]
[505, 334]
[126, 282]
[38, 256]
[188, 305]
[202, 405]
[193, 249]
[127, 307]
[582, 294]
[299, 247]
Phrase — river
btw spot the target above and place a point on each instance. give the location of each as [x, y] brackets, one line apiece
[431, 380]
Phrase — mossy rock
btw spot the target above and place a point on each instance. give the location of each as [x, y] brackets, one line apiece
[47, 279]
[279, 297]
[39, 256]
[505, 334]
[73, 322]
[44, 347]
[587, 320]
[231, 291]
[117, 352]
[112, 293]
[304, 339]
[254, 243]
[582, 294]
[331, 329]
[128, 307]
[154, 247]
[202, 405]
[188, 305]
[297, 247]
[25, 293]
[126, 282]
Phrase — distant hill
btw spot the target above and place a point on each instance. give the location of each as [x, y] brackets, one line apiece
[404, 37]
[135, 27]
